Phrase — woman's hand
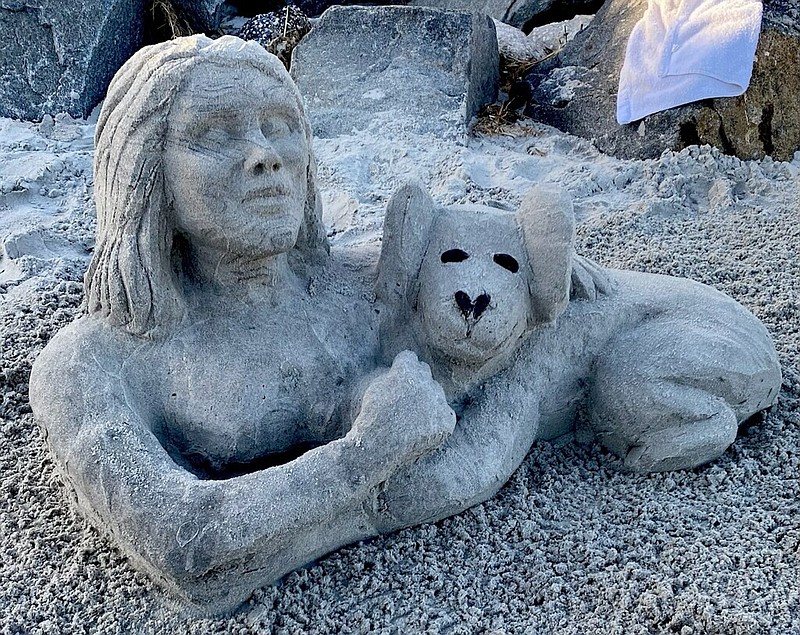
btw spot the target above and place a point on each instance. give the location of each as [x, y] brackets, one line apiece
[404, 413]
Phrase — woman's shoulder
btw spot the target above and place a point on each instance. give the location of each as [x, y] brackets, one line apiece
[87, 348]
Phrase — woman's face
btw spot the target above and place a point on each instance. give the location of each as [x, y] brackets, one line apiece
[235, 162]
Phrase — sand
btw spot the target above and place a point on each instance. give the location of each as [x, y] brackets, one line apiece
[572, 544]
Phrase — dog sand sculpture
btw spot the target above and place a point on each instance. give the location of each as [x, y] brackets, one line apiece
[661, 370]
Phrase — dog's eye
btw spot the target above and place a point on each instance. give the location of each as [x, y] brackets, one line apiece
[507, 262]
[454, 255]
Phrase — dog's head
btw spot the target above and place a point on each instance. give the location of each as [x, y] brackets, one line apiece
[464, 285]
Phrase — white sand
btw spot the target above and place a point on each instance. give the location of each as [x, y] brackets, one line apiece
[572, 544]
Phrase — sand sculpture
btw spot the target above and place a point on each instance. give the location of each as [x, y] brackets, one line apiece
[661, 370]
[227, 419]
[204, 356]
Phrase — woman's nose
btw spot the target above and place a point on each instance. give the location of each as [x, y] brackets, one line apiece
[261, 155]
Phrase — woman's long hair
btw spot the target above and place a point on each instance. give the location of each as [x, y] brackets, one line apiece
[130, 282]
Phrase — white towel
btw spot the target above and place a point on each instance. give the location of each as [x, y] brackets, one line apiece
[686, 50]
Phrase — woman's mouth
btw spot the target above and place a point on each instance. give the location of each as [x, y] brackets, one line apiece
[271, 192]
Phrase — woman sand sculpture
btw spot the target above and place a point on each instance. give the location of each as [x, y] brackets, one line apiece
[203, 349]
[218, 415]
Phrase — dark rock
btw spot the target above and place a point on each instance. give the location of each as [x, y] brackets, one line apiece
[202, 15]
[278, 32]
[312, 8]
[60, 56]
[523, 14]
[408, 69]
[576, 91]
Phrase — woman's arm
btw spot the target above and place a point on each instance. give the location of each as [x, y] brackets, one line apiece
[216, 541]
[492, 436]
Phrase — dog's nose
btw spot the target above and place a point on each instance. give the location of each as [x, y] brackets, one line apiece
[464, 303]
[470, 309]
[480, 305]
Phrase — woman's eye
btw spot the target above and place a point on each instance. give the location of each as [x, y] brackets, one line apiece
[218, 133]
[275, 127]
[209, 135]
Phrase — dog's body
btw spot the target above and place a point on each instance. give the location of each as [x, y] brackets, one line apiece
[531, 341]
[665, 369]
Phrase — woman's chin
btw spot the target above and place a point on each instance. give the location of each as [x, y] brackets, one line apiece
[275, 236]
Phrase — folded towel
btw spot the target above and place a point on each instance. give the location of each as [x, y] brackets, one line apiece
[685, 50]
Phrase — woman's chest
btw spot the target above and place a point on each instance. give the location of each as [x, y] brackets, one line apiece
[231, 394]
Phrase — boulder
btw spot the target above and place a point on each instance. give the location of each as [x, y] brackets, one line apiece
[542, 41]
[314, 8]
[512, 43]
[60, 57]
[523, 14]
[576, 91]
[408, 69]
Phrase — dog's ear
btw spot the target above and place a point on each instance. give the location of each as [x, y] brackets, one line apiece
[406, 232]
[547, 223]
[407, 228]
